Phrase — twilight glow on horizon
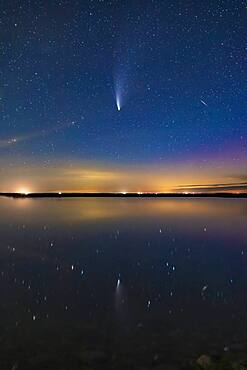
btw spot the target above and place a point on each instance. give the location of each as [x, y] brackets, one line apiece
[101, 96]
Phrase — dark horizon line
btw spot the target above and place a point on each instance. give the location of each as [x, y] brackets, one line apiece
[125, 195]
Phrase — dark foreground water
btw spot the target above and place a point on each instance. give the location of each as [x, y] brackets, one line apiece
[121, 283]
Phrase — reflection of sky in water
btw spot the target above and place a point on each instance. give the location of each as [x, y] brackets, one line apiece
[135, 276]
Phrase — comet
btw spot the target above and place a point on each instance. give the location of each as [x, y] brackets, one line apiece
[118, 103]
[119, 91]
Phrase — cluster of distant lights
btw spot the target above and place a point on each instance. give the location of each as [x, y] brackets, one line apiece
[26, 191]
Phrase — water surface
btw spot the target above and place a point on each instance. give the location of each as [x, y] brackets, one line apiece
[121, 283]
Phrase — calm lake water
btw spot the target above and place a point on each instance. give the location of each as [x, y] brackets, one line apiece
[121, 283]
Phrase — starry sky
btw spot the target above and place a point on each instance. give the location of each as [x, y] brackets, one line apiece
[123, 95]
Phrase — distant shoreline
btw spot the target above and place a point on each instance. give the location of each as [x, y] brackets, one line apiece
[124, 195]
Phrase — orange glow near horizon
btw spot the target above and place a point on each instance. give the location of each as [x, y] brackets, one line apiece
[64, 177]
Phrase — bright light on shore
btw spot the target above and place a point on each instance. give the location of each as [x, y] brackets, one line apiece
[24, 191]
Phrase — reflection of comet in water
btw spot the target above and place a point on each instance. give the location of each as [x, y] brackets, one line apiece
[120, 299]
[118, 283]
[118, 293]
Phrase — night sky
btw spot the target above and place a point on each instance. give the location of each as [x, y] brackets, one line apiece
[123, 95]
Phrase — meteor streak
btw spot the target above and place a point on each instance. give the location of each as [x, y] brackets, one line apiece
[203, 102]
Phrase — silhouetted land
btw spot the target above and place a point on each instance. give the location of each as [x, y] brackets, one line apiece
[125, 195]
